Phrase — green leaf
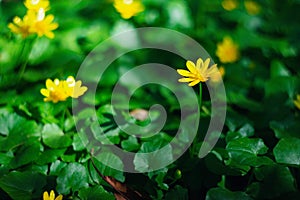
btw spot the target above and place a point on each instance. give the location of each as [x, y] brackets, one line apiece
[131, 144]
[5, 158]
[17, 130]
[23, 185]
[275, 180]
[160, 177]
[286, 128]
[242, 101]
[245, 131]
[152, 155]
[109, 137]
[49, 156]
[26, 154]
[278, 69]
[96, 192]
[284, 84]
[54, 137]
[287, 151]
[74, 176]
[77, 144]
[178, 193]
[56, 167]
[245, 151]
[215, 162]
[221, 194]
[108, 157]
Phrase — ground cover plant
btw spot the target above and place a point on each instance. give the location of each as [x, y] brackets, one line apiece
[60, 120]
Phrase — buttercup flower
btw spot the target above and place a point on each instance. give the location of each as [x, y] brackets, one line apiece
[227, 51]
[199, 72]
[230, 4]
[297, 102]
[74, 88]
[60, 90]
[46, 196]
[35, 21]
[252, 7]
[128, 8]
[36, 5]
[44, 25]
[55, 91]
[22, 27]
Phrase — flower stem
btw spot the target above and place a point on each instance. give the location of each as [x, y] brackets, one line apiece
[22, 69]
[200, 96]
[24, 56]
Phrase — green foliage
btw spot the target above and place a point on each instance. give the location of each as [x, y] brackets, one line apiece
[256, 157]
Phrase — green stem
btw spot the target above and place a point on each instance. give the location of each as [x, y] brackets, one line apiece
[200, 96]
[22, 69]
[193, 146]
[24, 56]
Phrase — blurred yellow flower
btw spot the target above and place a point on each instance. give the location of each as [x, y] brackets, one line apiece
[199, 72]
[46, 196]
[252, 7]
[230, 4]
[36, 5]
[297, 102]
[222, 71]
[60, 90]
[55, 91]
[22, 27]
[227, 51]
[35, 21]
[44, 25]
[128, 8]
[74, 88]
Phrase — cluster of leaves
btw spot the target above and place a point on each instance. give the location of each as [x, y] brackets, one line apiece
[257, 156]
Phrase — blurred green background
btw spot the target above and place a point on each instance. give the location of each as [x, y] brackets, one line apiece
[258, 154]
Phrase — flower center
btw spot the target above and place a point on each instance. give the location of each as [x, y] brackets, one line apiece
[57, 95]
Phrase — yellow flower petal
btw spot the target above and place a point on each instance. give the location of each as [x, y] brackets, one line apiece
[46, 196]
[183, 72]
[191, 66]
[49, 84]
[195, 82]
[45, 92]
[59, 197]
[52, 195]
[186, 79]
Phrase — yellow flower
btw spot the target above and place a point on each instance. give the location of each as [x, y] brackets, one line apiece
[55, 91]
[227, 51]
[297, 102]
[60, 90]
[199, 72]
[35, 5]
[252, 7]
[34, 23]
[46, 196]
[22, 27]
[43, 25]
[128, 8]
[74, 88]
[230, 4]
